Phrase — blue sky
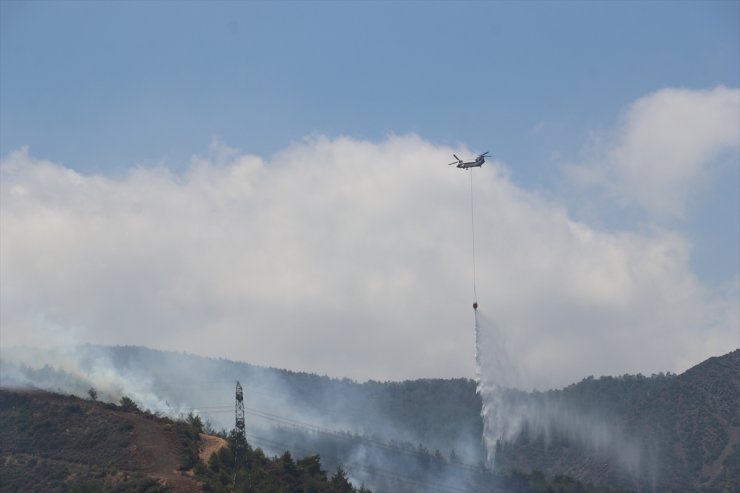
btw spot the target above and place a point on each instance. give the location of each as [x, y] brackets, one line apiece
[101, 86]
[104, 88]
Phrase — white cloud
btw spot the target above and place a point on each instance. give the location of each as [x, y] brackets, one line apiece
[344, 257]
[663, 151]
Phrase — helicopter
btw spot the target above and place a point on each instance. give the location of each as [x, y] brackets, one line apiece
[470, 164]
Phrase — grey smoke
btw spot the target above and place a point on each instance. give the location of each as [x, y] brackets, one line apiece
[506, 412]
[339, 419]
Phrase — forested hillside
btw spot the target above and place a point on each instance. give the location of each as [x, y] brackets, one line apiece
[440, 414]
[677, 432]
[56, 443]
[683, 431]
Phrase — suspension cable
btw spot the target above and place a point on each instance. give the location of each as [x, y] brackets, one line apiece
[472, 224]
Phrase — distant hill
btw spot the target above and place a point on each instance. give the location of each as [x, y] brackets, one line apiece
[659, 433]
[684, 431]
[57, 443]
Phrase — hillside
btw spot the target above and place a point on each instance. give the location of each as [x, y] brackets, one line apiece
[677, 432]
[52, 442]
[438, 413]
[56, 443]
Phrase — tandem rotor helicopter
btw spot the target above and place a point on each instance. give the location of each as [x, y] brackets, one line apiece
[477, 162]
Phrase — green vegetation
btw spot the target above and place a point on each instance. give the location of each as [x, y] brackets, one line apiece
[685, 429]
[240, 468]
[54, 443]
[403, 467]
[127, 404]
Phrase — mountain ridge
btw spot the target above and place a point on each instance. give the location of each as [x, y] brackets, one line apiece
[682, 428]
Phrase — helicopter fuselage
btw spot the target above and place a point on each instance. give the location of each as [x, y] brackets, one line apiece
[472, 164]
[475, 163]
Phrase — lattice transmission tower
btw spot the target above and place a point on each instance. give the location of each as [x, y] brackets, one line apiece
[241, 437]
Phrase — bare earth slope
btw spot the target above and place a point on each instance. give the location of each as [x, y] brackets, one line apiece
[156, 449]
[49, 442]
[209, 445]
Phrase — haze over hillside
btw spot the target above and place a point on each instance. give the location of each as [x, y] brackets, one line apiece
[643, 433]
[56, 443]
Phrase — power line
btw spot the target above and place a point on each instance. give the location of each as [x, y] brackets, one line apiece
[378, 471]
[346, 436]
[343, 435]
[349, 437]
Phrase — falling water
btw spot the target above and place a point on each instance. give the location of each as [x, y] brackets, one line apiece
[505, 411]
[502, 416]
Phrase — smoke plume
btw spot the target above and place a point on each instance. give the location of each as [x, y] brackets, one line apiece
[544, 417]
